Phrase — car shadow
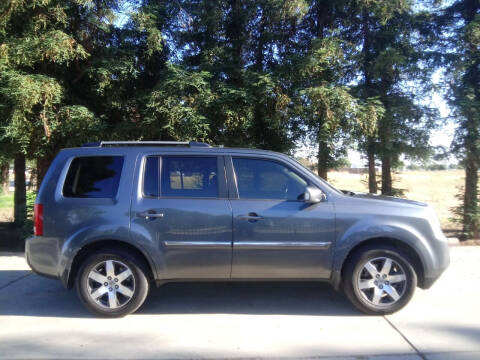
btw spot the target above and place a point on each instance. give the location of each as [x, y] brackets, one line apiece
[23, 293]
[288, 298]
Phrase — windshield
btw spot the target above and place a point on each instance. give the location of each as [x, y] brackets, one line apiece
[318, 177]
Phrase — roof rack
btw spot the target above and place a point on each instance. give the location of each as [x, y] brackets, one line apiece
[146, 143]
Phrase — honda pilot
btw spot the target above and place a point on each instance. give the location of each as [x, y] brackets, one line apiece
[113, 218]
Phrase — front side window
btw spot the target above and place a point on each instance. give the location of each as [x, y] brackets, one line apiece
[93, 177]
[189, 176]
[265, 179]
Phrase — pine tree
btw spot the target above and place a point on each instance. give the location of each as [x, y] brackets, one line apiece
[46, 49]
[458, 42]
[390, 58]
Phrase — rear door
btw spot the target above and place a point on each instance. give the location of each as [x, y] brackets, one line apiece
[276, 235]
[181, 205]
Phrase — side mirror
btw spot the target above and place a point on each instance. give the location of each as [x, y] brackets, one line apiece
[312, 195]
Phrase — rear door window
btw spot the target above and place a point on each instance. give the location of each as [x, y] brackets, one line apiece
[93, 177]
[189, 177]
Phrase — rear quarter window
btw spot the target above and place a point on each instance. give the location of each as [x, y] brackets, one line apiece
[93, 177]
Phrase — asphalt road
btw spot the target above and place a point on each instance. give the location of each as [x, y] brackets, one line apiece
[40, 319]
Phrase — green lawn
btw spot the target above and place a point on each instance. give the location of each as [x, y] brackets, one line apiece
[6, 201]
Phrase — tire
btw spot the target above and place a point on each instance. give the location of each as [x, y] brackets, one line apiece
[112, 283]
[375, 288]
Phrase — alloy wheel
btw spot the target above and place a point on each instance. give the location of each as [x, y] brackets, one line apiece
[111, 284]
[382, 281]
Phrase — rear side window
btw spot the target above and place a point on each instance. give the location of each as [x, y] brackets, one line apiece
[189, 176]
[93, 177]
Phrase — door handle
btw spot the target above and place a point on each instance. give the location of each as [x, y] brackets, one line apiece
[150, 214]
[251, 217]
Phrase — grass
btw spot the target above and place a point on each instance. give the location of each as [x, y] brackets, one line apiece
[437, 188]
[6, 201]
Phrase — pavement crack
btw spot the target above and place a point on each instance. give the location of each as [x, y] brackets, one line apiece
[405, 338]
[15, 280]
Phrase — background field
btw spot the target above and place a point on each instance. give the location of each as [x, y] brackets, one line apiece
[437, 188]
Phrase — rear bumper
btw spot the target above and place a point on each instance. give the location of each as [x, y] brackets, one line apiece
[42, 256]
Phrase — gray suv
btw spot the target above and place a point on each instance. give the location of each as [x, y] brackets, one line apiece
[112, 218]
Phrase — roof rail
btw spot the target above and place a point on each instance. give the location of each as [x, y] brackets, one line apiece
[146, 143]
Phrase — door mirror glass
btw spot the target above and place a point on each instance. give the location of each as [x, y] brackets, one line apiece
[312, 195]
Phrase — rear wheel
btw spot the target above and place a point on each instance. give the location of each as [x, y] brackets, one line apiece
[112, 283]
[379, 280]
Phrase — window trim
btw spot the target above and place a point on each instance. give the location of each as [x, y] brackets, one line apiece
[143, 169]
[222, 192]
[69, 165]
[233, 175]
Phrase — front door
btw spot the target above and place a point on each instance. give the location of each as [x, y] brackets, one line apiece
[276, 235]
[181, 206]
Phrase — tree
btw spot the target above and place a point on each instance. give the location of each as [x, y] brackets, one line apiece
[458, 45]
[46, 49]
[327, 110]
[238, 47]
[325, 106]
[391, 58]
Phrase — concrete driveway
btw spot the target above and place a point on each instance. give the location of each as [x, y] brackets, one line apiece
[40, 319]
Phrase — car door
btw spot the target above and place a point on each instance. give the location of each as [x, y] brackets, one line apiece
[276, 235]
[182, 207]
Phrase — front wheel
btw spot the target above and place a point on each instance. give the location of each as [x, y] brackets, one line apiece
[379, 280]
[112, 283]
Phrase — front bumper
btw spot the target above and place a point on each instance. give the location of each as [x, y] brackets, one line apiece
[439, 262]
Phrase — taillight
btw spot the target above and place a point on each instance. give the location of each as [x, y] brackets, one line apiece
[38, 219]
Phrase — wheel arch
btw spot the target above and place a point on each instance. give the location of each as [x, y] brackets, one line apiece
[69, 277]
[406, 248]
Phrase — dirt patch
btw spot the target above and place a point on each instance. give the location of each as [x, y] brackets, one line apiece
[470, 243]
[6, 215]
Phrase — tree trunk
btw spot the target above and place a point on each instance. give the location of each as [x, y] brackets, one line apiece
[387, 175]
[235, 33]
[42, 166]
[322, 167]
[367, 55]
[260, 131]
[20, 196]
[5, 177]
[33, 180]
[470, 201]
[372, 172]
